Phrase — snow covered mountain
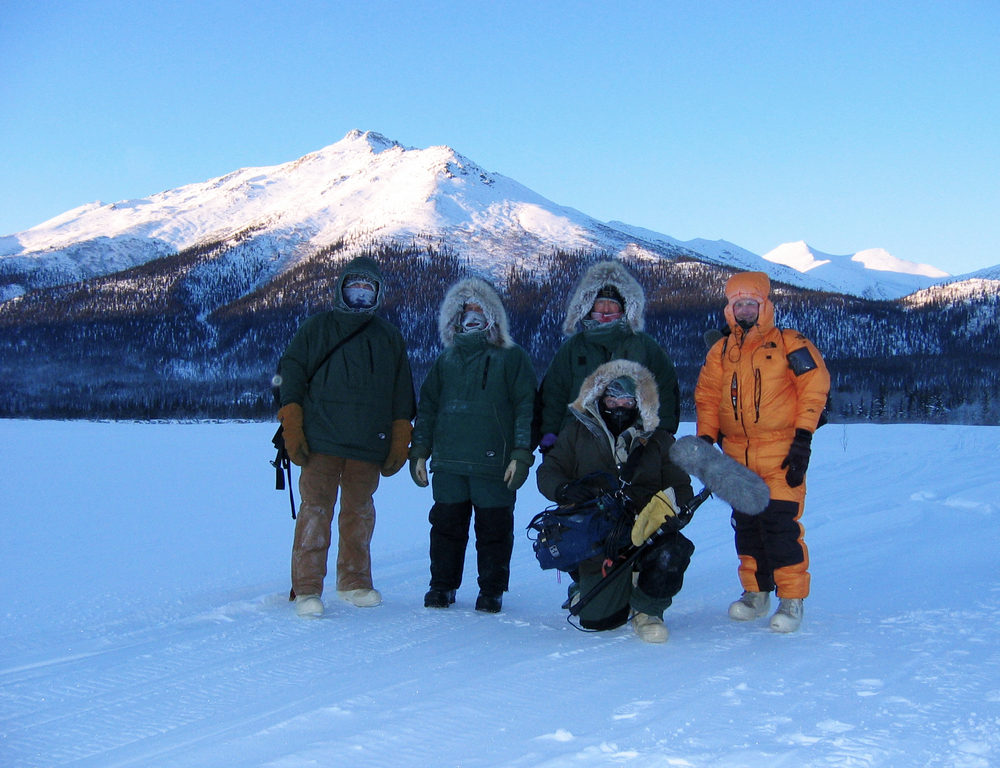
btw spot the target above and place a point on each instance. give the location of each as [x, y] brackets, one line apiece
[367, 188]
[872, 273]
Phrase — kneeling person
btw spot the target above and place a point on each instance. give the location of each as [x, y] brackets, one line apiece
[613, 435]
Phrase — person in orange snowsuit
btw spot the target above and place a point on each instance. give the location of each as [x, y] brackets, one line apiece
[760, 395]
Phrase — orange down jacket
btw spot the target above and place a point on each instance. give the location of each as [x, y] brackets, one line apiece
[749, 393]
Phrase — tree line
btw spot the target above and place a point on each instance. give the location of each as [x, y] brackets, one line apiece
[198, 334]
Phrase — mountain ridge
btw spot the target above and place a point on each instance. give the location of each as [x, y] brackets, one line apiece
[364, 188]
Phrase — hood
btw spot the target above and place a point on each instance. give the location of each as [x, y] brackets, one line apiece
[599, 275]
[362, 265]
[750, 285]
[646, 394]
[478, 292]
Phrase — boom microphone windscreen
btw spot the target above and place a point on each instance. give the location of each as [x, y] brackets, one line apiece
[736, 485]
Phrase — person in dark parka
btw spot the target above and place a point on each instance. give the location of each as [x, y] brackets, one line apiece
[346, 419]
[604, 322]
[474, 422]
[615, 419]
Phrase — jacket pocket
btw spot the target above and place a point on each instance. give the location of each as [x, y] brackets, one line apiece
[360, 420]
[470, 433]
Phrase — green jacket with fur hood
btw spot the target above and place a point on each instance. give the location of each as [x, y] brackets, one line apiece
[585, 445]
[587, 348]
[352, 400]
[476, 404]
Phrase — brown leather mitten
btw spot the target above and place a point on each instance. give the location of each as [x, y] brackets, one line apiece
[290, 417]
[399, 448]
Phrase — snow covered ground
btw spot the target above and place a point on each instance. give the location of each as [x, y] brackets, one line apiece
[144, 622]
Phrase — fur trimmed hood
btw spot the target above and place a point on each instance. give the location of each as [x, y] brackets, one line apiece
[599, 275]
[646, 394]
[475, 291]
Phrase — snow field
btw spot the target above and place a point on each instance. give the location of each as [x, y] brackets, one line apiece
[144, 621]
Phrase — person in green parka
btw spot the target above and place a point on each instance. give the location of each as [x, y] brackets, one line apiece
[346, 419]
[474, 418]
[604, 322]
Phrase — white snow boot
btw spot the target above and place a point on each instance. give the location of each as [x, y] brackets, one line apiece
[752, 605]
[362, 598]
[788, 617]
[650, 629]
[308, 606]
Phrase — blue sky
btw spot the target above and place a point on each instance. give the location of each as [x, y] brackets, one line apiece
[849, 125]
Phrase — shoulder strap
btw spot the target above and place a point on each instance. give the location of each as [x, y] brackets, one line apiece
[632, 463]
[337, 346]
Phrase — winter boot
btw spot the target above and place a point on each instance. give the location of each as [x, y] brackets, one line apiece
[487, 603]
[362, 598]
[308, 606]
[788, 617]
[752, 605]
[650, 629]
[572, 595]
[439, 598]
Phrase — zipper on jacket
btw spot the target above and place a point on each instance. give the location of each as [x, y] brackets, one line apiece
[737, 415]
[486, 370]
[371, 357]
[734, 393]
[756, 393]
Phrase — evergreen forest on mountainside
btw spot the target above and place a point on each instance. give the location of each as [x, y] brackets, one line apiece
[197, 334]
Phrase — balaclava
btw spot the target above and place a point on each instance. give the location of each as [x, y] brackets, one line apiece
[473, 320]
[359, 292]
[620, 418]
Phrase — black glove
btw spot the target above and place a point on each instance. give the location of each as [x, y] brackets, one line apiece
[797, 459]
[708, 439]
[584, 490]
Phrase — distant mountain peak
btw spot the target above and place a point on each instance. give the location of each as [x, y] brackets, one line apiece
[798, 255]
[375, 140]
[881, 260]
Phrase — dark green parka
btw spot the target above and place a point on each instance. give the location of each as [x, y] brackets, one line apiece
[589, 347]
[353, 398]
[476, 404]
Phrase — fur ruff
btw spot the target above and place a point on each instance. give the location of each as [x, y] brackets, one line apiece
[599, 275]
[646, 394]
[475, 291]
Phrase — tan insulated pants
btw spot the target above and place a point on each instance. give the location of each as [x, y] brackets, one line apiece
[318, 485]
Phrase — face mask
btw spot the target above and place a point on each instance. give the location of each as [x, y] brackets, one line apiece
[474, 321]
[359, 296]
[597, 329]
[619, 419]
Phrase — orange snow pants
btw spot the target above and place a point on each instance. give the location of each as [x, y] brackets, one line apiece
[771, 546]
[319, 483]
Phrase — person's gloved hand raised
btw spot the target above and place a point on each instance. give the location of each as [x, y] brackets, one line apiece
[653, 515]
